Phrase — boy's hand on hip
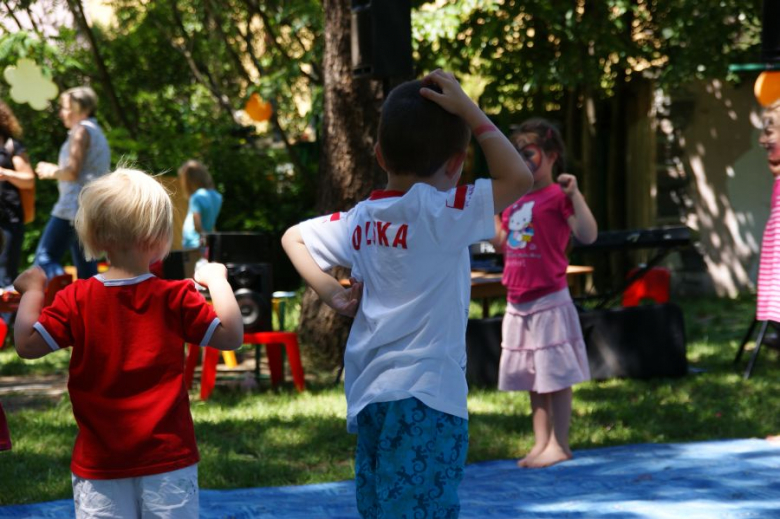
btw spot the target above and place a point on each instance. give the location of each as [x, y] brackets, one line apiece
[347, 301]
[210, 272]
[34, 278]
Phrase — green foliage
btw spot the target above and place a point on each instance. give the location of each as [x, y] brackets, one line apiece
[530, 53]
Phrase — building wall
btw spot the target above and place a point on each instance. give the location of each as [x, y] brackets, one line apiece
[729, 186]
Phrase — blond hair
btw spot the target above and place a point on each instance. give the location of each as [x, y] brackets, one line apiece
[123, 210]
[195, 176]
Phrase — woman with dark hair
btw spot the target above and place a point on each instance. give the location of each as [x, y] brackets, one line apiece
[84, 156]
[15, 174]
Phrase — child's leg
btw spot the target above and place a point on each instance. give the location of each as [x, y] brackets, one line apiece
[540, 414]
[421, 455]
[370, 421]
[104, 498]
[170, 495]
[557, 449]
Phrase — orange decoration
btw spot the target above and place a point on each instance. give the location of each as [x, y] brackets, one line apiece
[258, 109]
[767, 87]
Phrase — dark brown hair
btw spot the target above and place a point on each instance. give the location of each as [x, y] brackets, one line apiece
[548, 138]
[417, 136]
[9, 125]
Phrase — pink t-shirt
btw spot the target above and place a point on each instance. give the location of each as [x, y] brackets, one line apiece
[535, 250]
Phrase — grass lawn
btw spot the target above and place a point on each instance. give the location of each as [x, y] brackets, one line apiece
[266, 438]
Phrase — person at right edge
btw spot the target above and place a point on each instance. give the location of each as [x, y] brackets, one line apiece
[407, 246]
[542, 348]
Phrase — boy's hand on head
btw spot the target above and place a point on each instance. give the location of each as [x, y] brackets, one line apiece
[34, 278]
[347, 301]
[568, 183]
[208, 273]
[452, 97]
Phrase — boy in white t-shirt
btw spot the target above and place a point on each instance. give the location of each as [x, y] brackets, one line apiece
[407, 246]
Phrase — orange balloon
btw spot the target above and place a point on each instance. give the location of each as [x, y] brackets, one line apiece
[767, 87]
[258, 109]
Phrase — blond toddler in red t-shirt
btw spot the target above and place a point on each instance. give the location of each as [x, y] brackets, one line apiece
[135, 452]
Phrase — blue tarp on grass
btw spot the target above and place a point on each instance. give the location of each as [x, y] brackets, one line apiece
[707, 480]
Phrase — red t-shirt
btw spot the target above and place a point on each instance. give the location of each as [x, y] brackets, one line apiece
[535, 250]
[126, 375]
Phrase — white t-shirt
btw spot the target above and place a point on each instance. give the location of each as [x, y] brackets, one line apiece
[410, 250]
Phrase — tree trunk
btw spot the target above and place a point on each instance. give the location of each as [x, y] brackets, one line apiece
[348, 171]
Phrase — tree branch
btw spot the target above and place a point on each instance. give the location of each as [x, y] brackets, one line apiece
[274, 118]
[255, 7]
[204, 78]
[13, 16]
[78, 13]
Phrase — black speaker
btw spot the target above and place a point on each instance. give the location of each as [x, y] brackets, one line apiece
[381, 36]
[180, 264]
[635, 342]
[483, 351]
[251, 283]
[770, 32]
[239, 247]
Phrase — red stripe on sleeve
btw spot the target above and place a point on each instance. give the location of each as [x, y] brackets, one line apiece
[460, 197]
[335, 217]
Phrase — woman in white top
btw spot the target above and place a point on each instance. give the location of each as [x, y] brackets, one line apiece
[84, 156]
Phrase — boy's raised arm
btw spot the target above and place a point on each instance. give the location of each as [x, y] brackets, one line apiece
[31, 284]
[230, 333]
[343, 300]
[511, 177]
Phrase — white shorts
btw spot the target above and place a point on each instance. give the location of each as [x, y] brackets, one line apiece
[170, 495]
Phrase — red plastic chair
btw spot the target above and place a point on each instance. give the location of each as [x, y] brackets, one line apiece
[273, 341]
[654, 285]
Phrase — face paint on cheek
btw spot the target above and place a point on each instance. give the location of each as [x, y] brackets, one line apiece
[532, 156]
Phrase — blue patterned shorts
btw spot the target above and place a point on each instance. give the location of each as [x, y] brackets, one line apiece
[409, 461]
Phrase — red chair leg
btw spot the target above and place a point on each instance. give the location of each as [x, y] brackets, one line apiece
[275, 363]
[294, 358]
[3, 332]
[193, 353]
[209, 375]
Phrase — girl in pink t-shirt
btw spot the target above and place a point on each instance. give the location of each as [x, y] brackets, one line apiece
[543, 351]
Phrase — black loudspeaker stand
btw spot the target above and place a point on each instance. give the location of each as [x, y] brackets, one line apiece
[251, 283]
[483, 352]
[381, 35]
[180, 264]
[239, 247]
[635, 342]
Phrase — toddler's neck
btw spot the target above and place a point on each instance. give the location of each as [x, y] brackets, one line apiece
[128, 263]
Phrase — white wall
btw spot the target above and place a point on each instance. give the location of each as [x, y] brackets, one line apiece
[730, 183]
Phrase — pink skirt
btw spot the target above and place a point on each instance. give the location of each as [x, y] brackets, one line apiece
[542, 348]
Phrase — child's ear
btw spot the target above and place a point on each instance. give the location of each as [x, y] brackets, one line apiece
[455, 164]
[379, 158]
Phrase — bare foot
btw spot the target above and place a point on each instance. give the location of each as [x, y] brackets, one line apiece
[532, 454]
[550, 456]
